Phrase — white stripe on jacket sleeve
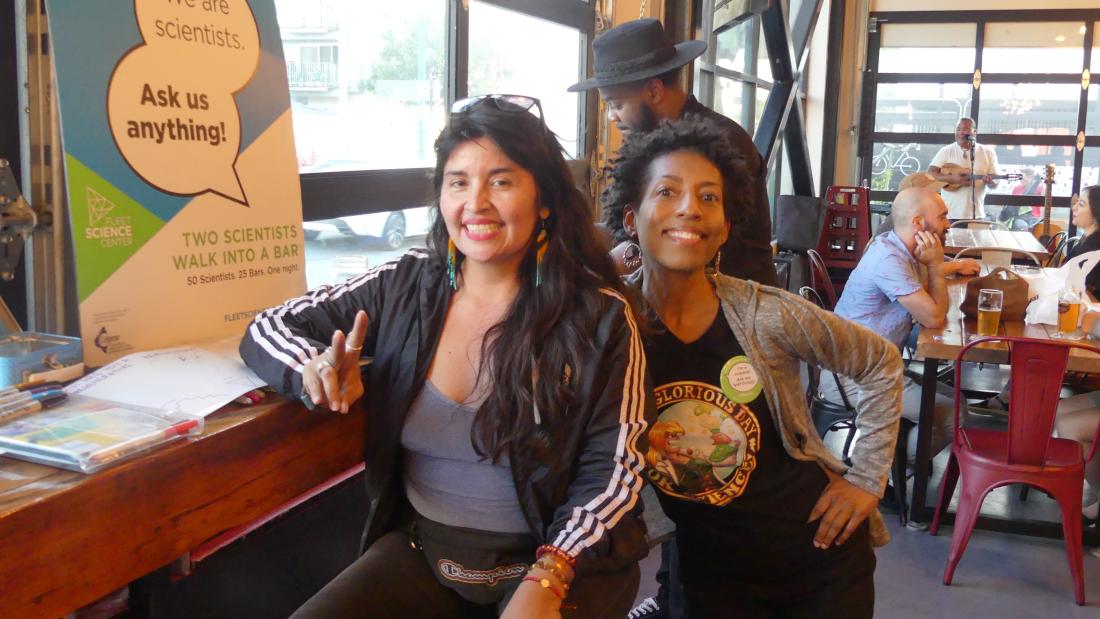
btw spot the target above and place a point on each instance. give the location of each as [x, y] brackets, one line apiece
[588, 523]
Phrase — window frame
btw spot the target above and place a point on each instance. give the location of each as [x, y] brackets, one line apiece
[326, 195]
[868, 136]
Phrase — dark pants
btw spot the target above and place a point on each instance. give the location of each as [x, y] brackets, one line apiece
[392, 579]
[670, 594]
[845, 590]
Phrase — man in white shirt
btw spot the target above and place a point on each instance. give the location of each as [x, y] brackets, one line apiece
[985, 166]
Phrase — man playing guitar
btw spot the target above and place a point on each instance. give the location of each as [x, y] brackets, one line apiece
[967, 202]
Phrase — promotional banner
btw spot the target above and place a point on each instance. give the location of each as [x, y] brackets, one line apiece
[182, 177]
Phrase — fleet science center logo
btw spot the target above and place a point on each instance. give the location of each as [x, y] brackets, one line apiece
[107, 230]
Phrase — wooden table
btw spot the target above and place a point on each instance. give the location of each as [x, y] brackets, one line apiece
[67, 539]
[937, 345]
[959, 239]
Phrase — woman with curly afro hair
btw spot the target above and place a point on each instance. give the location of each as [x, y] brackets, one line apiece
[768, 522]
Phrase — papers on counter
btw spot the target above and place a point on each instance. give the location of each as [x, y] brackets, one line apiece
[189, 380]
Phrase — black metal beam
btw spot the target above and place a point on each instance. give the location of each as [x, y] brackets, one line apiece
[979, 49]
[1082, 112]
[987, 78]
[13, 292]
[732, 12]
[573, 14]
[735, 75]
[945, 17]
[832, 94]
[787, 56]
[990, 139]
[458, 51]
[1003, 199]
[339, 194]
[798, 151]
[864, 146]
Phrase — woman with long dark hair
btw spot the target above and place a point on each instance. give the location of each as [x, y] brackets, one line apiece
[1079, 415]
[768, 522]
[506, 398]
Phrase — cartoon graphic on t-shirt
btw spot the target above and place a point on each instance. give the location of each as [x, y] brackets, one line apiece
[703, 446]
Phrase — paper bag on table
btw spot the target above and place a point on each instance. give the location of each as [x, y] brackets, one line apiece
[1044, 309]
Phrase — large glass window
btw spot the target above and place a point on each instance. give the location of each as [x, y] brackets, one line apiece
[1029, 105]
[927, 48]
[1034, 47]
[732, 45]
[921, 108]
[366, 82]
[508, 55]
[892, 162]
[1029, 109]
[1092, 107]
[729, 97]
[1090, 171]
[344, 247]
[370, 86]
[738, 46]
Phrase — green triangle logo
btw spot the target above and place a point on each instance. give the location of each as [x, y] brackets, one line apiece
[108, 226]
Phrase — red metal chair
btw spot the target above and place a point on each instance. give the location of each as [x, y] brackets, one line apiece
[819, 279]
[1025, 454]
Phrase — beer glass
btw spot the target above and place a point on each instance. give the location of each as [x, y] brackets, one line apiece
[1069, 315]
[990, 304]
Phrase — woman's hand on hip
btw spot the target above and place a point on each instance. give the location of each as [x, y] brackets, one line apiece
[332, 379]
[842, 507]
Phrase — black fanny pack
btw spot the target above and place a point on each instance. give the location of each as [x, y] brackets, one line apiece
[481, 566]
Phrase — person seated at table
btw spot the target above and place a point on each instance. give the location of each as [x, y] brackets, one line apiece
[768, 522]
[507, 399]
[901, 279]
[1079, 415]
[1086, 216]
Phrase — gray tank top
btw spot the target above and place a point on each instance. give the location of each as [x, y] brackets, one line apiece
[445, 480]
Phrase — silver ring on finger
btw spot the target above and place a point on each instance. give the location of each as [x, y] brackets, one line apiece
[323, 364]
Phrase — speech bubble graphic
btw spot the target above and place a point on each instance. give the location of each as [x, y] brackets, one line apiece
[170, 100]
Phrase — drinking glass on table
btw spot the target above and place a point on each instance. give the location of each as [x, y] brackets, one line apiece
[1069, 315]
[990, 304]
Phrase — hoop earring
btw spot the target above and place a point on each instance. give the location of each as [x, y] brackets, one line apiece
[452, 258]
[542, 243]
[632, 256]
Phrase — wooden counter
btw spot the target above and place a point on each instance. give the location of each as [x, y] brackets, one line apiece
[67, 539]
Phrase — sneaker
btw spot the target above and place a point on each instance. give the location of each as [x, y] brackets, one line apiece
[647, 608]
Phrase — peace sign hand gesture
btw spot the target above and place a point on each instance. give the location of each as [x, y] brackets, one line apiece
[332, 379]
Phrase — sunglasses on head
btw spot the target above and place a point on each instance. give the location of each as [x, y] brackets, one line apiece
[504, 103]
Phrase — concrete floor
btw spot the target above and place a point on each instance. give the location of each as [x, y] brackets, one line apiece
[1001, 576]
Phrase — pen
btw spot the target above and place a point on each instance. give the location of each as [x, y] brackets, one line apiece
[27, 396]
[137, 444]
[21, 387]
[26, 408]
[8, 394]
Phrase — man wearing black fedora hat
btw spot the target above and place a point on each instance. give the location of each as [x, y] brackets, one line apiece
[637, 69]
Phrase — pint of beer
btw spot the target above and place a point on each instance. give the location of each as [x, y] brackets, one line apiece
[990, 303]
[1069, 313]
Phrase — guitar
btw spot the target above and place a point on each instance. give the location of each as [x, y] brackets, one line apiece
[951, 168]
[1044, 229]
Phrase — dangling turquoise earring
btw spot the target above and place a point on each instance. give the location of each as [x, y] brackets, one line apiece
[541, 245]
[452, 258]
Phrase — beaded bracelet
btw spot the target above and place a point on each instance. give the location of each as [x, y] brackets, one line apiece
[571, 561]
[545, 584]
[556, 569]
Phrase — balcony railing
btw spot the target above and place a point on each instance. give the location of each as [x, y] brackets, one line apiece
[312, 75]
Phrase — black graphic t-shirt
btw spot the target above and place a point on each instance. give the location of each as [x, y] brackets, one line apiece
[740, 502]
